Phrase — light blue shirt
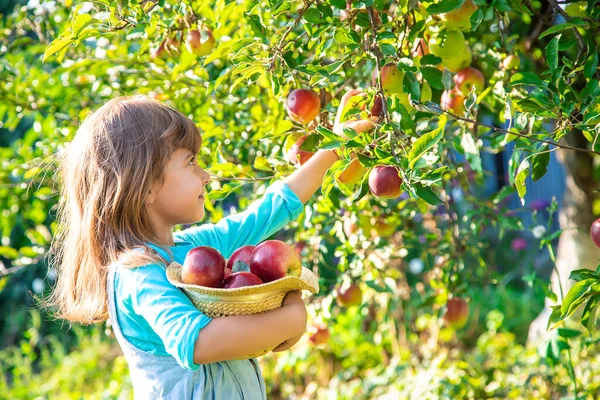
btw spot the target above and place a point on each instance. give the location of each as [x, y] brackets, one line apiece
[160, 319]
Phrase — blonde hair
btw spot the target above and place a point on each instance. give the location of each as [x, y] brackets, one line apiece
[105, 174]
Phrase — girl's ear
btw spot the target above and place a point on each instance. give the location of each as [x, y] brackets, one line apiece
[149, 199]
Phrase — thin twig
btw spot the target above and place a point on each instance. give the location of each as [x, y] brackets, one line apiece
[279, 47]
[583, 46]
[550, 142]
[220, 178]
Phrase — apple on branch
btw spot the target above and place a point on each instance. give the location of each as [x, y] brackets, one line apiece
[457, 313]
[459, 18]
[318, 334]
[353, 173]
[200, 41]
[385, 182]
[595, 232]
[453, 101]
[303, 105]
[296, 155]
[469, 78]
[350, 296]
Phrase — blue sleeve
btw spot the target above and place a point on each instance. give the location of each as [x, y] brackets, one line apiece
[261, 219]
[167, 310]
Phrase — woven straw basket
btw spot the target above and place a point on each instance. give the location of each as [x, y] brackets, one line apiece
[217, 302]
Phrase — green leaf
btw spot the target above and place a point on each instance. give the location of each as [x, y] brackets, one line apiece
[568, 333]
[540, 164]
[57, 45]
[447, 80]
[560, 28]
[590, 66]
[219, 194]
[411, 85]
[444, 6]
[8, 252]
[581, 274]
[433, 76]
[430, 59]
[527, 78]
[471, 151]
[552, 53]
[313, 15]
[81, 21]
[589, 312]
[326, 133]
[240, 266]
[522, 173]
[427, 194]
[262, 163]
[576, 296]
[256, 25]
[425, 143]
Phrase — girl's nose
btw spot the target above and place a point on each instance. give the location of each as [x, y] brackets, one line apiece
[205, 177]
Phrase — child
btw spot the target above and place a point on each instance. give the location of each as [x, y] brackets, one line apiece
[128, 177]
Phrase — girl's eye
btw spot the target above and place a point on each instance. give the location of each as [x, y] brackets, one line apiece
[192, 160]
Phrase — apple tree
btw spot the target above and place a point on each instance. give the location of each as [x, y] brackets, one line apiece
[400, 232]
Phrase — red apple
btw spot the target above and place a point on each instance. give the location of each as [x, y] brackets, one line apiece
[157, 52]
[303, 105]
[227, 273]
[457, 313]
[469, 78]
[353, 173]
[459, 18]
[203, 266]
[377, 109]
[301, 245]
[242, 255]
[241, 279]
[511, 62]
[200, 42]
[385, 182]
[349, 227]
[298, 156]
[349, 297]
[319, 334]
[274, 259]
[595, 232]
[453, 101]
[383, 229]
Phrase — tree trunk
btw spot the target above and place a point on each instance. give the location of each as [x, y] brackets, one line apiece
[575, 247]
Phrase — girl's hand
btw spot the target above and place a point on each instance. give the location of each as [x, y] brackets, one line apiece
[287, 344]
[359, 125]
[296, 304]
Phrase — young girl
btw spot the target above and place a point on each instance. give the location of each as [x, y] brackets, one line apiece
[128, 177]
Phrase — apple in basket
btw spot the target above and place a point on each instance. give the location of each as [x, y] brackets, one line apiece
[241, 279]
[274, 259]
[203, 266]
[240, 259]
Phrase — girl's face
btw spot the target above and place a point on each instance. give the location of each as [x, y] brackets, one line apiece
[180, 198]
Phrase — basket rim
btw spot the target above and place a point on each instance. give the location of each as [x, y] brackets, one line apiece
[307, 281]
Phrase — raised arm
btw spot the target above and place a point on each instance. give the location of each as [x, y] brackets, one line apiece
[308, 178]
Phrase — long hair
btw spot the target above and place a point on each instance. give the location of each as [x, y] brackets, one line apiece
[105, 175]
